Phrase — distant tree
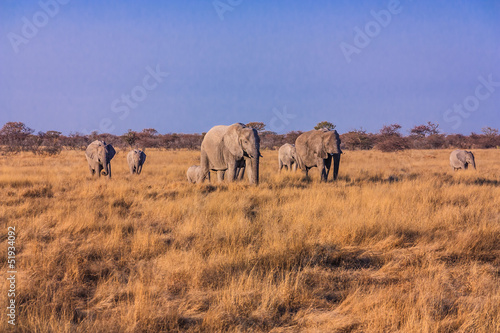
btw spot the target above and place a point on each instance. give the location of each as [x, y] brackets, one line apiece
[16, 130]
[456, 141]
[48, 143]
[489, 131]
[390, 130]
[94, 135]
[489, 138]
[53, 135]
[14, 135]
[426, 137]
[148, 138]
[325, 125]
[130, 137]
[425, 130]
[390, 139]
[260, 127]
[357, 140]
[270, 140]
[149, 132]
[76, 141]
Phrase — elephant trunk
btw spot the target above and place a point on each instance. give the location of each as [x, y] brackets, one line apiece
[255, 170]
[139, 168]
[107, 169]
[300, 162]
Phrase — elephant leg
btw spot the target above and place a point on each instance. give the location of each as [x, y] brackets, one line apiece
[328, 164]
[220, 176]
[92, 171]
[231, 172]
[99, 170]
[241, 173]
[280, 166]
[321, 169]
[294, 166]
[204, 164]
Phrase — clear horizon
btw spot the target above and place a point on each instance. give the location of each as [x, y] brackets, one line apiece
[187, 66]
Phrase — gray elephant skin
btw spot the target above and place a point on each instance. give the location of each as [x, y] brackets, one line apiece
[287, 157]
[99, 155]
[230, 150]
[135, 160]
[461, 159]
[193, 174]
[317, 148]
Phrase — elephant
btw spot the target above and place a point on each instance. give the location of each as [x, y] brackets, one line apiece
[99, 155]
[460, 159]
[193, 173]
[230, 150]
[317, 148]
[135, 160]
[287, 156]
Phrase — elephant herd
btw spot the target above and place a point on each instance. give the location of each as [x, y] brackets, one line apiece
[230, 151]
[99, 155]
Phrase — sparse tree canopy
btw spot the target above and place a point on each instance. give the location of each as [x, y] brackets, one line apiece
[425, 130]
[489, 131]
[325, 125]
[16, 129]
[130, 137]
[150, 132]
[257, 125]
[52, 134]
[391, 130]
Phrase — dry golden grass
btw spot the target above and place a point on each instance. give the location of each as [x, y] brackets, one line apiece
[400, 243]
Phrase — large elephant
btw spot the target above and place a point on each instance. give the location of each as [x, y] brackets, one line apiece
[99, 155]
[460, 159]
[135, 160]
[230, 150]
[287, 156]
[317, 148]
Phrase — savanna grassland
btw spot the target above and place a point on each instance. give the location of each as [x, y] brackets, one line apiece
[399, 243]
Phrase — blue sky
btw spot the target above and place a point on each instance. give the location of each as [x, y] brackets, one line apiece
[88, 64]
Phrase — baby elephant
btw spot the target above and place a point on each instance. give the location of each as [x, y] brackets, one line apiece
[287, 156]
[460, 159]
[193, 173]
[135, 160]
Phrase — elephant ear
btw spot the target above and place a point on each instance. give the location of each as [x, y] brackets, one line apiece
[143, 157]
[111, 151]
[232, 140]
[91, 151]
